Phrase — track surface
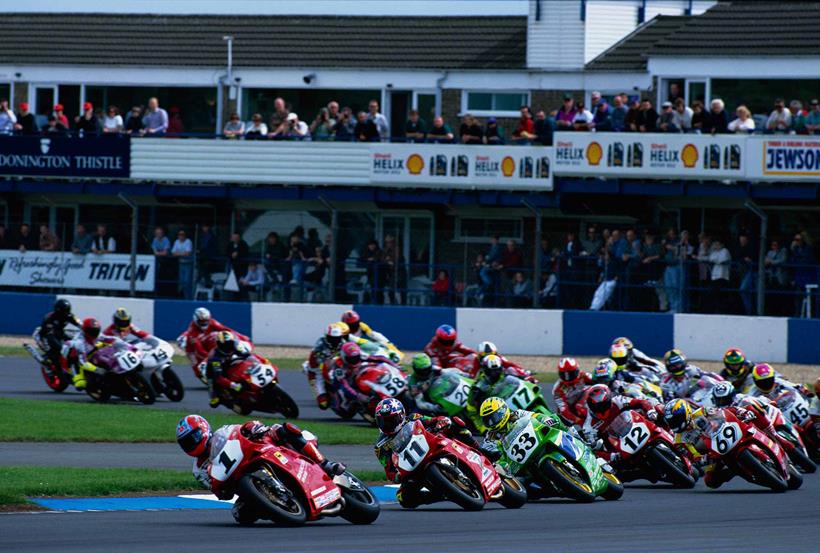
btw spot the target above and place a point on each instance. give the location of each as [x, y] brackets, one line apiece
[736, 518]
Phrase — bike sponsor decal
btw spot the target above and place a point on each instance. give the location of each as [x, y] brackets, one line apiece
[328, 498]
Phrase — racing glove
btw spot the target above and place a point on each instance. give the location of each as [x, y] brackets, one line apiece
[441, 424]
[254, 430]
[332, 468]
[745, 414]
[652, 415]
[236, 386]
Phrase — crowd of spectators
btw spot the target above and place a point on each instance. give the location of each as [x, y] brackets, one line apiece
[25, 239]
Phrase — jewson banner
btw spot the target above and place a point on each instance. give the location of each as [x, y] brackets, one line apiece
[65, 157]
[783, 158]
[427, 165]
[67, 270]
[651, 155]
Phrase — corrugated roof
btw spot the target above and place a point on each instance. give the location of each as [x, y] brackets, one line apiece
[264, 41]
[630, 53]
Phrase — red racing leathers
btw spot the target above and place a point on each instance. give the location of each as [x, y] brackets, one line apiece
[439, 352]
[129, 334]
[570, 399]
[596, 424]
[199, 342]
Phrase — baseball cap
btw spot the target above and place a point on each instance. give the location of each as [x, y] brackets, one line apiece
[815, 102]
[492, 120]
[292, 116]
[88, 105]
[58, 107]
[24, 106]
[567, 96]
[666, 104]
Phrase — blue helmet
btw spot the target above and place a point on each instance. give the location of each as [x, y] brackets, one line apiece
[389, 415]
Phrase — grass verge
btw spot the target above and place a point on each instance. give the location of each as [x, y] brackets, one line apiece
[63, 421]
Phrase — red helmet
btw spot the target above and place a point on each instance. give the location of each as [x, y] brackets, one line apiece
[91, 328]
[351, 319]
[446, 335]
[351, 354]
[193, 433]
[568, 370]
[599, 399]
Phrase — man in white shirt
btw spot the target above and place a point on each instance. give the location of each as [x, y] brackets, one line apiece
[780, 120]
[103, 243]
[720, 259]
[182, 250]
[379, 119]
[297, 129]
[7, 117]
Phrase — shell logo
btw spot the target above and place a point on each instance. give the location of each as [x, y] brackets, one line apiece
[594, 153]
[508, 166]
[689, 156]
[415, 164]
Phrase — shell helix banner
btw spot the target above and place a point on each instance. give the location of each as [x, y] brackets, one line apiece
[430, 165]
[650, 155]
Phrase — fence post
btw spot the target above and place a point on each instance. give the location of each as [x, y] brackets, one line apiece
[761, 255]
[536, 285]
[134, 220]
[334, 233]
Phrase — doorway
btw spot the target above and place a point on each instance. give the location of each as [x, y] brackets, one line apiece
[43, 99]
[400, 102]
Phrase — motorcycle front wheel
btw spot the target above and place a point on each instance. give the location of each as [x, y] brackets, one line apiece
[283, 403]
[515, 494]
[667, 463]
[763, 474]
[272, 498]
[566, 477]
[797, 455]
[456, 486]
[56, 380]
[361, 506]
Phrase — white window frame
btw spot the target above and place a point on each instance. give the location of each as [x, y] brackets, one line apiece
[458, 237]
[492, 113]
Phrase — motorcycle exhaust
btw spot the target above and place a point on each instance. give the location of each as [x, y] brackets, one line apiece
[33, 352]
[333, 510]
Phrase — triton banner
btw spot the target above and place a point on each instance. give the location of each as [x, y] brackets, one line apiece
[65, 157]
[66, 270]
[783, 158]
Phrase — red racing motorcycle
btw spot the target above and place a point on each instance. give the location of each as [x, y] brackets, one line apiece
[284, 486]
[260, 389]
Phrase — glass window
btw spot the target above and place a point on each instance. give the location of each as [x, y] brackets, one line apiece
[495, 101]
[478, 228]
[480, 101]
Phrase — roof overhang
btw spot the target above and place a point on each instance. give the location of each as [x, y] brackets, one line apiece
[769, 67]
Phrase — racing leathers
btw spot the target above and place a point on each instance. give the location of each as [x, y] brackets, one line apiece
[441, 353]
[513, 369]
[129, 334]
[316, 369]
[367, 333]
[781, 385]
[410, 493]
[215, 368]
[743, 384]
[343, 380]
[569, 398]
[80, 350]
[419, 389]
[683, 386]
[52, 334]
[199, 342]
[595, 425]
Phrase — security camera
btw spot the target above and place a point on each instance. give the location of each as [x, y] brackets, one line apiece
[237, 80]
[307, 79]
[18, 75]
[389, 85]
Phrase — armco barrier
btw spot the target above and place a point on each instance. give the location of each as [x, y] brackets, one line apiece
[171, 317]
[708, 336]
[522, 331]
[592, 332]
[408, 327]
[292, 324]
[102, 307]
[804, 341]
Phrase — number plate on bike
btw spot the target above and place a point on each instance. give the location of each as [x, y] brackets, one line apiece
[519, 446]
[726, 437]
[635, 438]
[128, 360]
[413, 453]
[223, 464]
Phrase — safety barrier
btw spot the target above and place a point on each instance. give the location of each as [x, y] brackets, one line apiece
[532, 332]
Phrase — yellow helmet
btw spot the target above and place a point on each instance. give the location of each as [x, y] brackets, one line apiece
[345, 329]
[619, 353]
[494, 413]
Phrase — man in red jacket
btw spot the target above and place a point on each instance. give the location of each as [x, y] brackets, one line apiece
[200, 337]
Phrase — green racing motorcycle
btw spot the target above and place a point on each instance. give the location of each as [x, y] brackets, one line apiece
[517, 393]
[450, 391]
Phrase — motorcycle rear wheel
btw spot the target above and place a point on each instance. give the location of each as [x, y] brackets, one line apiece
[567, 478]
[283, 403]
[798, 455]
[361, 506]
[172, 385]
[672, 469]
[259, 489]
[515, 494]
[141, 387]
[455, 486]
[764, 474]
[57, 381]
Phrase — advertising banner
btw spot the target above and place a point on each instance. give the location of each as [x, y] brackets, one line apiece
[65, 157]
[650, 155]
[784, 158]
[67, 270]
[452, 166]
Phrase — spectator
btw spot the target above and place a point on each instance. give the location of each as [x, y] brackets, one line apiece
[5, 242]
[747, 264]
[365, 130]
[49, 242]
[672, 273]
[175, 125]
[82, 241]
[802, 260]
[182, 250]
[344, 129]
[207, 252]
[682, 116]
[238, 254]
[674, 93]
[60, 115]
[252, 281]
[592, 244]
[568, 276]
[112, 122]
[133, 125]
[102, 242]
[780, 119]
[441, 288]
[371, 260]
[54, 127]
[313, 240]
[440, 132]
[234, 128]
[333, 113]
[26, 123]
[775, 262]
[543, 128]
[160, 245]
[632, 115]
[617, 117]
[322, 126]
[594, 101]
[666, 120]
[415, 129]
[492, 135]
[470, 131]
[297, 255]
[653, 269]
[316, 268]
[743, 123]
[647, 118]
[26, 241]
[607, 281]
[717, 121]
[699, 117]
[720, 259]
[525, 130]
[257, 129]
[489, 272]
[522, 291]
[297, 129]
[813, 118]
[566, 114]
[279, 120]
[511, 258]
[798, 125]
[703, 272]
[275, 254]
[583, 120]
[379, 119]
[601, 120]
[7, 117]
[155, 122]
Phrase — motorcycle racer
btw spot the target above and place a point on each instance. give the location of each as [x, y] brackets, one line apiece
[489, 348]
[391, 418]
[444, 343]
[498, 418]
[122, 328]
[637, 355]
[607, 372]
[492, 370]
[568, 391]
[198, 336]
[769, 383]
[323, 351]
[424, 373]
[52, 333]
[360, 329]
[194, 436]
[681, 376]
[737, 369]
[343, 370]
[227, 352]
[82, 346]
[626, 360]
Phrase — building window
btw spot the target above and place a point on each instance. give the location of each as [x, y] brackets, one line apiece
[504, 104]
[481, 229]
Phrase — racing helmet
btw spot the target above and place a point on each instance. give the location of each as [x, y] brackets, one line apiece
[422, 366]
[599, 399]
[485, 349]
[91, 328]
[193, 434]
[492, 367]
[351, 354]
[605, 370]
[620, 354]
[723, 394]
[624, 341]
[817, 386]
[334, 335]
[675, 362]
[225, 342]
[764, 376]
[122, 318]
[390, 415]
[202, 317]
[494, 413]
[62, 306]
[352, 320]
[446, 335]
[678, 414]
[734, 361]
[568, 370]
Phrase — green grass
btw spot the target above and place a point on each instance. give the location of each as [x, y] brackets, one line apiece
[13, 351]
[62, 421]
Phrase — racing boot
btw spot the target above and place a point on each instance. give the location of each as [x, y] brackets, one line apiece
[410, 496]
[243, 513]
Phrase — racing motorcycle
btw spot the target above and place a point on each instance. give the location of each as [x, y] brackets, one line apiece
[556, 463]
[116, 369]
[375, 349]
[202, 349]
[748, 452]
[799, 413]
[647, 451]
[450, 391]
[380, 381]
[517, 393]
[59, 377]
[284, 486]
[260, 389]
[453, 470]
[156, 360]
[455, 360]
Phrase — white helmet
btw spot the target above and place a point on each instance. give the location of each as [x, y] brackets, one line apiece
[486, 348]
[202, 317]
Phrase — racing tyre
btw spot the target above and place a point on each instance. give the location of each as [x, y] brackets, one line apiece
[97, 389]
[272, 498]
[671, 467]
[566, 477]
[515, 494]
[57, 381]
[361, 506]
[452, 483]
[798, 454]
[795, 478]
[141, 387]
[764, 474]
[283, 403]
[172, 386]
[614, 489]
